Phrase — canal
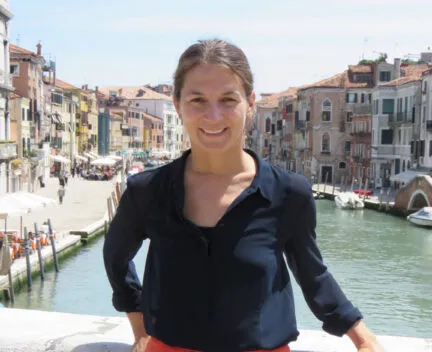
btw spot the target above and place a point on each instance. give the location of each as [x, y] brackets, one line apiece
[383, 263]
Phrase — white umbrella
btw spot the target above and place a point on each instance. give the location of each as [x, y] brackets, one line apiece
[115, 157]
[60, 159]
[103, 161]
[80, 157]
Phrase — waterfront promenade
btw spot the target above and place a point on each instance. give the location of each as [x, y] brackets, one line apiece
[84, 204]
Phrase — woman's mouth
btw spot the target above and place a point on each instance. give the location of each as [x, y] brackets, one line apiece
[211, 132]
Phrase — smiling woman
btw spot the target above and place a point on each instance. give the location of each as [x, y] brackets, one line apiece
[220, 221]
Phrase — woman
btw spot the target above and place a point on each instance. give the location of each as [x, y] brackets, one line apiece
[220, 220]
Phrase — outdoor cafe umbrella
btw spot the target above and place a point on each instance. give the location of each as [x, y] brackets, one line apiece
[103, 161]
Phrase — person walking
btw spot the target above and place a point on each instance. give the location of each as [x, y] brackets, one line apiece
[61, 193]
[220, 221]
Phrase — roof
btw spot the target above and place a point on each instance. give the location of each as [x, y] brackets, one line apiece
[409, 73]
[360, 68]
[18, 50]
[64, 85]
[272, 100]
[151, 117]
[135, 93]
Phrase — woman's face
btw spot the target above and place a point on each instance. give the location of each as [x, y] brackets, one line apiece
[214, 108]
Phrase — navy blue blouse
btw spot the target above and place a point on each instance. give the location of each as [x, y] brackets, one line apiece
[225, 288]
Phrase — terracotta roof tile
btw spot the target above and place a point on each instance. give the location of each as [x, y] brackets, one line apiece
[151, 117]
[409, 73]
[360, 68]
[136, 93]
[272, 100]
[18, 50]
[64, 85]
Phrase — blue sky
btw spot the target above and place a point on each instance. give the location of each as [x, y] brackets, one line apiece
[288, 43]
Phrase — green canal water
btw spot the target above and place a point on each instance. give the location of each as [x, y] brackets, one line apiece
[383, 264]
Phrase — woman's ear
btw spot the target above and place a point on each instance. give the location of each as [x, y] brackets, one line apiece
[177, 107]
[251, 106]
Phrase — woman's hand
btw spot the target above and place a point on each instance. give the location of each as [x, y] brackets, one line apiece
[363, 339]
[141, 344]
[376, 347]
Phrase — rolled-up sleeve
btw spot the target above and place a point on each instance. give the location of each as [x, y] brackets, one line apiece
[122, 242]
[321, 291]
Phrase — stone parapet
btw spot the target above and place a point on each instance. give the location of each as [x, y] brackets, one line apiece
[38, 331]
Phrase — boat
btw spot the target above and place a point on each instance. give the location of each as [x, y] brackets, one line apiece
[423, 217]
[348, 200]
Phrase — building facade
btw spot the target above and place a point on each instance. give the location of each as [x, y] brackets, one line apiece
[7, 146]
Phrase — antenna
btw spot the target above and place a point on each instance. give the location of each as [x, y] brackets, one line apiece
[18, 39]
[365, 40]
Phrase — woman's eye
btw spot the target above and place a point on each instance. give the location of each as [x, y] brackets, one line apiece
[228, 100]
[197, 100]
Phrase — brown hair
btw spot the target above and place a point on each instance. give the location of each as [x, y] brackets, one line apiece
[213, 51]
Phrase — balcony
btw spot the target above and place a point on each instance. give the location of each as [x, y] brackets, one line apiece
[361, 134]
[362, 109]
[429, 125]
[383, 150]
[300, 124]
[398, 118]
[8, 150]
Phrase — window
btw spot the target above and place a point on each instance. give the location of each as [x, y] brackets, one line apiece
[385, 76]
[273, 128]
[326, 110]
[267, 125]
[386, 136]
[349, 116]
[279, 125]
[388, 106]
[325, 143]
[307, 115]
[57, 98]
[289, 108]
[326, 116]
[342, 165]
[347, 146]
[14, 70]
[351, 98]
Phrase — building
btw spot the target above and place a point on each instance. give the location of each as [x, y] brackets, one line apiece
[158, 105]
[426, 125]
[397, 123]
[153, 133]
[93, 117]
[7, 147]
[104, 132]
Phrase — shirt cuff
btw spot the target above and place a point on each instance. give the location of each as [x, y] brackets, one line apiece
[127, 304]
[342, 320]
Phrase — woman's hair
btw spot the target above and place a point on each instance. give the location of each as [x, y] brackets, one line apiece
[213, 51]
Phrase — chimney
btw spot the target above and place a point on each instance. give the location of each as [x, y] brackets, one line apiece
[97, 89]
[39, 49]
[397, 67]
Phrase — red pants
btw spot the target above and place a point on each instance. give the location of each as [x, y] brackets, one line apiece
[154, 345]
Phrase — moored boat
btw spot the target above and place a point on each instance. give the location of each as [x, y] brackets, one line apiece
[348, 200]
[423, 217]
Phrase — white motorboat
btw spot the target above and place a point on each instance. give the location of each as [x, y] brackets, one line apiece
[348, 200]
[423, 217]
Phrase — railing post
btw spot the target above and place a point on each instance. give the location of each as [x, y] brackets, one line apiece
[27, 254]
[53, 246]
[39, 250]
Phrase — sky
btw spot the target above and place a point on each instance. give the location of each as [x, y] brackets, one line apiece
[288, 43]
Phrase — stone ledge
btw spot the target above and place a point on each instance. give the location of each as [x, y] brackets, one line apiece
[39, 331]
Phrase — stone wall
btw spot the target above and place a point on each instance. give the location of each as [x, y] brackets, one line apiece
[420, 186]
[37, 331]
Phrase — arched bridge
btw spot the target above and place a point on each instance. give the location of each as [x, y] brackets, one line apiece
[415, 195]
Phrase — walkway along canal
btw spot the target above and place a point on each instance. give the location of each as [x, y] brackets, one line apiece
[383, 263]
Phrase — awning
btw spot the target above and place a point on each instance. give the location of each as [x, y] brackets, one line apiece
[80, 157]
[88, 155]
[60, 159]
[407, 176]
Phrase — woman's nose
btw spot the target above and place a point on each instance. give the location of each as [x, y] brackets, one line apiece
[213, 112]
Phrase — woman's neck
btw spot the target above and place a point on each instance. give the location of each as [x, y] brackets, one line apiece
[226, 163]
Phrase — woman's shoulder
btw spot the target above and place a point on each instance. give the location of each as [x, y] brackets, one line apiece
[290, 182]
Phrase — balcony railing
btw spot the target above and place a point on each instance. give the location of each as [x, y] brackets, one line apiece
[398, 118]
[8, 150]
[362, 109]
[361, 134]
[357, 159]
[383, 150]
[300, 124]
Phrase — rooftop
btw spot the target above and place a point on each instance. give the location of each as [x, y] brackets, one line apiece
[135, 93]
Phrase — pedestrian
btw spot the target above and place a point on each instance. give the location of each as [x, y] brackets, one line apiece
[220, 221]
[61, 193]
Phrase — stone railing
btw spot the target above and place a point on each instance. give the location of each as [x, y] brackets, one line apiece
[37, 331]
